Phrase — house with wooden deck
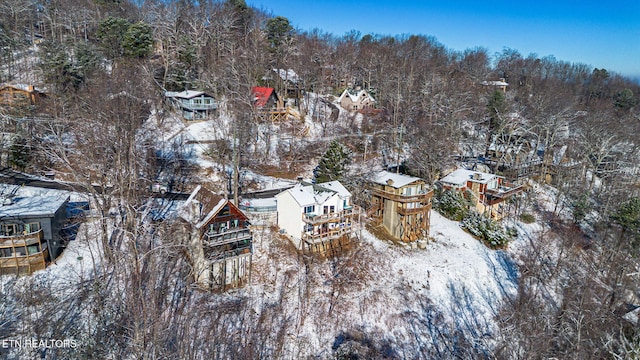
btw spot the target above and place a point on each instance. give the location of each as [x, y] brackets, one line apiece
[401, 204]
[13, 95]
[219, 240]
[488, 192]
[269, 106]
[31, 230]
[318, 218]
[193, 105]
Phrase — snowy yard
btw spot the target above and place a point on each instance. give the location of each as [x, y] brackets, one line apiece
[410, 299]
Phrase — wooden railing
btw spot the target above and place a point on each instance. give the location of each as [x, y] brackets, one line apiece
[331, 217]
[412, 211]
[504, 191]
[24, 264]
[227, 237]
[222, 255]
[21, 240]
[331, 234]
[403, 198]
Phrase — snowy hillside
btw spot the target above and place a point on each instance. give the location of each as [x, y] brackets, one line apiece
[409, 299]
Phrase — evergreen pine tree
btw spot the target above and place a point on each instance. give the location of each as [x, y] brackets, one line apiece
[496, 107]
[138, 40]
[333, 164]
[20, 154]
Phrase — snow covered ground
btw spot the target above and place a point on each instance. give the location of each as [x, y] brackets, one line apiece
[415, 303]
[411, 299]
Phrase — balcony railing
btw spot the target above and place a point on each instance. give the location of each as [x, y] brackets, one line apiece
[331, 217]
[24, 264]
[222, 255]
[327, 235]
[504, 191]
[403, 198]
[199, 106]
[22, 239]
[411, 211]
[227, 237]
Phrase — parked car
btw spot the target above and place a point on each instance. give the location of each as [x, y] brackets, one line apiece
[160, 188]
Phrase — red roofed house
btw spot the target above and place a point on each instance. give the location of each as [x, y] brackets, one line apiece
[266, 98]
[268, 104]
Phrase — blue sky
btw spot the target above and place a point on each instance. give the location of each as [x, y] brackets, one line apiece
[603, 34]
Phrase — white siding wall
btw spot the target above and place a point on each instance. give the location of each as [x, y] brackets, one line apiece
[334, 201]
[289, 215]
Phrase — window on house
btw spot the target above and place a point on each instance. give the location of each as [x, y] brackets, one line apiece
[33, 249]
[5, 252]
[309, 209]
[32, 227]
[21, 251]
[329, 209]
[9, 229]
[225, 211]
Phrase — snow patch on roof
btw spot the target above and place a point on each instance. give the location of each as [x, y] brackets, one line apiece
[306, 195]
[201, 206]
[287, 74]
[392, 179]
[337, 187]
[187, 94]
[355, 96]
[31, 202]
[495, 83]
[461, 176]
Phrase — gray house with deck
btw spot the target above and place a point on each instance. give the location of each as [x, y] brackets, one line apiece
[194, 105]
[30, 231]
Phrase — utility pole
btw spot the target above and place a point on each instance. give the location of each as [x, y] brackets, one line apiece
[236, 162]
[395, 124]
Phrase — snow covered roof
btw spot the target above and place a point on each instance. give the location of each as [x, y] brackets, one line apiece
[461, 176]
[22, 87]
[506, 148]
[201, 206]
[23, 204]
[355, 96]
[392, 179]
[187, 94]
[337, 187]
[287, 75]
[495, 83]
[306, 195]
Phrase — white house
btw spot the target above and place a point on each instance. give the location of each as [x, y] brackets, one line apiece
[317, 217]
